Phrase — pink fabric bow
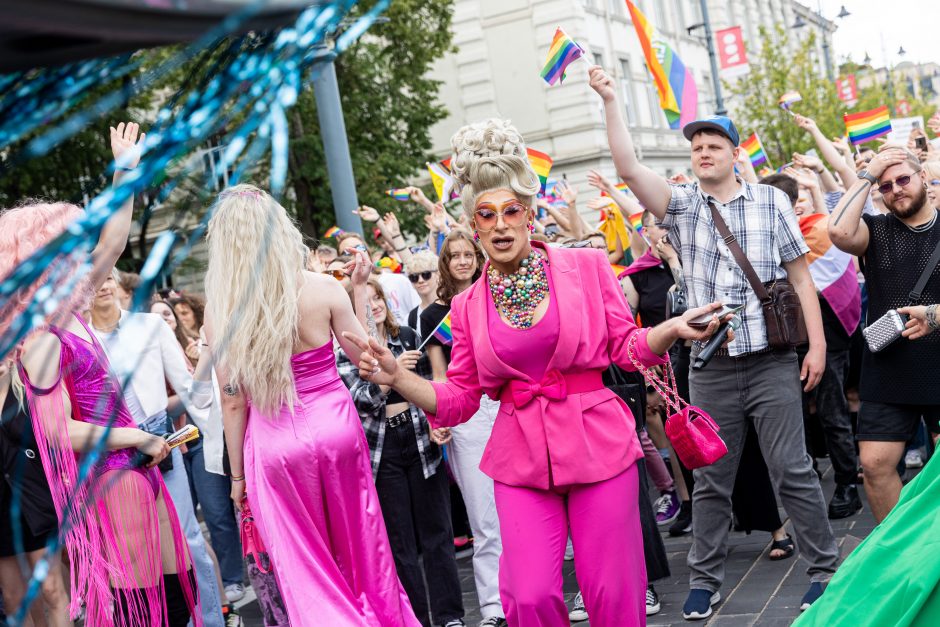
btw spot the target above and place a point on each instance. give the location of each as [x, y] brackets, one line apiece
[551, 387]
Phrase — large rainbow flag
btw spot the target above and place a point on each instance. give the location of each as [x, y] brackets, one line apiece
[755, 150]
[867, 125]
[541, 163]
[678, 94]
[833, 271]
[561, 54]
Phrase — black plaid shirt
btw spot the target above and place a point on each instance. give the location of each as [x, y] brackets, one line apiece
[370, 402]
[763, 221]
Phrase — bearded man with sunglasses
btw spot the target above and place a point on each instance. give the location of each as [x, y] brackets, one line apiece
[898, 385]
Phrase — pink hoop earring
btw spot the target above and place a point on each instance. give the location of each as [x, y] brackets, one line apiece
[476, 236]
[531, 227]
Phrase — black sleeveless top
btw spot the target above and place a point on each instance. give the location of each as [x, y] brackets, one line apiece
[651, 287]
[906, 371]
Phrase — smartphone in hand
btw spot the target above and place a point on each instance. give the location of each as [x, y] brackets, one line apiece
[702, 321]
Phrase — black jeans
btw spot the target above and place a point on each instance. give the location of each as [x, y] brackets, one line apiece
[833, 412]
[417, 512]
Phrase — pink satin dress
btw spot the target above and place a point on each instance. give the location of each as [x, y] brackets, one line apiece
[310, 488]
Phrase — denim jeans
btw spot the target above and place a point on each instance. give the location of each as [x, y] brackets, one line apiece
[211, 491]
[417, 512]
[178, 487]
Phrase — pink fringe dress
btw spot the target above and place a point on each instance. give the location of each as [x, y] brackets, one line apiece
[111, 521]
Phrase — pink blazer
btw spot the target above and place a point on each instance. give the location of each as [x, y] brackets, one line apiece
[583, 437]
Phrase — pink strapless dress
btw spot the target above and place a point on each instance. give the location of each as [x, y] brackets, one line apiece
[310, 487]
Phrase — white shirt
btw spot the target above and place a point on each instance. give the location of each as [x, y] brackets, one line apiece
[401, 295]
[144, 346]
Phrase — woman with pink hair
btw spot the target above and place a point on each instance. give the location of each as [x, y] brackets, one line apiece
[129, 563]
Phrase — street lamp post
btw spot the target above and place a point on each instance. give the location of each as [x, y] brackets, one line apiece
[712, 58]
[335, 143]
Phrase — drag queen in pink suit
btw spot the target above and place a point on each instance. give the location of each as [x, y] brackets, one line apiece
[536, 331]
[295, 441]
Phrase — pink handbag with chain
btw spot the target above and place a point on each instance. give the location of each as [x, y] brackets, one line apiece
[252, 544]
[692, 432]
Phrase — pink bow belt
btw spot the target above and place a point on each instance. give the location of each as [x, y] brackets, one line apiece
[554, 386]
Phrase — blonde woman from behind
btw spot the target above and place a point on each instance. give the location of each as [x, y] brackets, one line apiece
[294, 438]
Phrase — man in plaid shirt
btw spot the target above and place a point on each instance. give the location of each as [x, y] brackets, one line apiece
[748, 382]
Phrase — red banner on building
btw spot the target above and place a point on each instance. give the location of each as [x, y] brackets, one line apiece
[732, 57]
[847, 89]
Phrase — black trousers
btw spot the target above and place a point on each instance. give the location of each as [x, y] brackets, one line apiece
[832, 410]
[417, 516]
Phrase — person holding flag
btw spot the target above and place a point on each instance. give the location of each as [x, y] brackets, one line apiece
[536, 331]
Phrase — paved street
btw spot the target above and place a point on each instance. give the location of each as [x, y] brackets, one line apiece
[756, 591]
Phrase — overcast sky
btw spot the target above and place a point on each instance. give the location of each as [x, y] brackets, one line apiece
[914, 24]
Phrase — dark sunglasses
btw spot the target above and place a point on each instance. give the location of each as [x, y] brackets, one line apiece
[424, 276]
[902, 181]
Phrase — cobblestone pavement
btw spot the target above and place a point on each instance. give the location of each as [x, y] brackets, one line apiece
[756, 591]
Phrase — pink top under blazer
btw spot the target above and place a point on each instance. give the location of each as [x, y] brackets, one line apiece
[553, 434]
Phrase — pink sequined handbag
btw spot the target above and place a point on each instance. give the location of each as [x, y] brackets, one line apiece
[692, 432]
[252, 545]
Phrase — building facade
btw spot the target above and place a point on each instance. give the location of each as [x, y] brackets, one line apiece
[502, 45]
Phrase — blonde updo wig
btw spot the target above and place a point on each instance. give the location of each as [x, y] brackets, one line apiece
[491, 155]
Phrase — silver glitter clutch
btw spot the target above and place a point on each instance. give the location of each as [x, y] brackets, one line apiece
[885, 330]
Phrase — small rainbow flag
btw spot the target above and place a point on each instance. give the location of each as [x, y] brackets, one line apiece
[561, 54]
[442, 332]
[391, 264]
[765, 171]
[788, 99]
[541, 163]
[398, 194]
[636, 221]
[333, 231]
[620, 187]
[867, 125]
[755, 150]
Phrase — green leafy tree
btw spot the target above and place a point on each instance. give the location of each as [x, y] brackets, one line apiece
[389, 105]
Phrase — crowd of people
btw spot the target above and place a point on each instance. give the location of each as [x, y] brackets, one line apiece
[363, 410]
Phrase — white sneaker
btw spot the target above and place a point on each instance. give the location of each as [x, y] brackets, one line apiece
[652, 601]
[578, 613]
[234, 592]
[914, 459]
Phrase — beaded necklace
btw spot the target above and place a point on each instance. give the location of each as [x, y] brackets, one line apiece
[518, 294]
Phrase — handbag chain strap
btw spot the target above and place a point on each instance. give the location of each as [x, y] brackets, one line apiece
[732, 243]
[665, 386]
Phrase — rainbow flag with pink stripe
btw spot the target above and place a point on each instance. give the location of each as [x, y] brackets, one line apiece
[678, 94]
[833, 271]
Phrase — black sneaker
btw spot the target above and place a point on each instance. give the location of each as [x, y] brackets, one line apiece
[815, 591]
[652, 601]
[845, 502]
[683, 524]
[698, 605]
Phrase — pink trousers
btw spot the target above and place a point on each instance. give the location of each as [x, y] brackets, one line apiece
[608, 552]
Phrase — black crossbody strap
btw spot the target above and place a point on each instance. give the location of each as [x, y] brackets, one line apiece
[925, 275]
[731, 241]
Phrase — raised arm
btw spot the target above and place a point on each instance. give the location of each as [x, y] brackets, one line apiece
[846, 228]
[827, 151]
[651, 189]
[126, 148]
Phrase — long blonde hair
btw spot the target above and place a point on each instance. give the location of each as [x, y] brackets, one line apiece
[256, 263]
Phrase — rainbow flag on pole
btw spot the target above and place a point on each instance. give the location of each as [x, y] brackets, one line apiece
[620, 187]
[678, 94]
[398, 194]
[561, 54]
[541, 163]
[755, 150]
[867, 125]
[789, 99]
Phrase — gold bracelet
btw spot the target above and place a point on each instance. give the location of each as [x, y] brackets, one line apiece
[234, 478]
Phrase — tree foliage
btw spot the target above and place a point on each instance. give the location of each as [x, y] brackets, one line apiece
[389, 105]
[775, 71]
